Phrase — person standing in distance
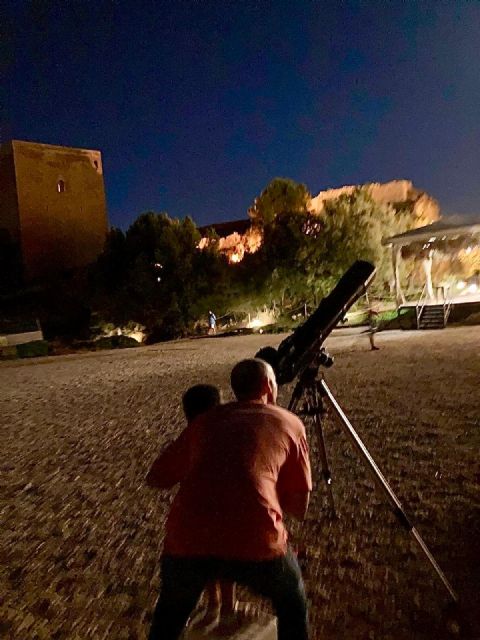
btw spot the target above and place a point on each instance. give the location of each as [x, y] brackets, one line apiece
[244, 463]
[212, 323]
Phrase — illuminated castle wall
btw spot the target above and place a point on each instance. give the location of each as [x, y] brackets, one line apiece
[397, 193]
[52, 203]
[235, 238]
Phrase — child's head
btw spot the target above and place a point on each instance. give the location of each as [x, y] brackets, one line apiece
[198, 399]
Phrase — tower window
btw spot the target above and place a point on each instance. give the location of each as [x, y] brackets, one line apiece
[95, 164]
[61, 186]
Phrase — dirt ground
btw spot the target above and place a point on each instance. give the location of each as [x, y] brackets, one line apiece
[80, 533]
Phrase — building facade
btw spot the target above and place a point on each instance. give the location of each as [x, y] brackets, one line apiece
[52, 206]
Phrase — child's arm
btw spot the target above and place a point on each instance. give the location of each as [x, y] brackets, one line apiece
[171, 465]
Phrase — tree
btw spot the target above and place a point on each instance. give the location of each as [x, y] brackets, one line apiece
[280, 196]
[352, 229]
[156, 275]
[286, 272]
[162, 278]
[112, 264]
[304, 255]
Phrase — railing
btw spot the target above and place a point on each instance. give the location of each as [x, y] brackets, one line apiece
[421, 305]
[447, 306]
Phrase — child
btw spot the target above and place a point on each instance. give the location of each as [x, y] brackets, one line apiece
[221, 595]
[196, 400]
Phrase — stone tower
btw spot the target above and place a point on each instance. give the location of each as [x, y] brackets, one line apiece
[52, 206]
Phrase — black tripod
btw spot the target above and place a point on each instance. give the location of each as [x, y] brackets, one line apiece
[313, 390]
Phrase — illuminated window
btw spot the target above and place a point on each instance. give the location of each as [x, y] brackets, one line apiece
[61, 186]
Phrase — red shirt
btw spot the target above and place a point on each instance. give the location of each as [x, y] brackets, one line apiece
[233, 463]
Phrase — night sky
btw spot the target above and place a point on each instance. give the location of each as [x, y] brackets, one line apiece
[197, 105]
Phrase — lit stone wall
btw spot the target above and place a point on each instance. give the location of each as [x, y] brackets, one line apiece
[395, 192]
[60, 196]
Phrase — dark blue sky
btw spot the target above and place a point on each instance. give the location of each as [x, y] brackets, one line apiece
[197, 105]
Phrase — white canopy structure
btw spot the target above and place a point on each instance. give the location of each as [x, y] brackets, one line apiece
[448, 235]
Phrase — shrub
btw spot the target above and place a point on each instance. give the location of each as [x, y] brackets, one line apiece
[8, 352]
[116, 342]
[33, 349]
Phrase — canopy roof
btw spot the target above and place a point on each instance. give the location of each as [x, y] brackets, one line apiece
[448, 227]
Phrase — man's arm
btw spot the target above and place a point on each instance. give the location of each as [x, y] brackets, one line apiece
[296, 504]
[295, 479]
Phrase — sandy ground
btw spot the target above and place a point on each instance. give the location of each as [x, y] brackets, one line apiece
[80, 533]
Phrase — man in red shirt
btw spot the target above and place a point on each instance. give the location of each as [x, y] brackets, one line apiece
[240, 465]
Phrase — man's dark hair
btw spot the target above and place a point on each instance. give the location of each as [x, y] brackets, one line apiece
[198, 399]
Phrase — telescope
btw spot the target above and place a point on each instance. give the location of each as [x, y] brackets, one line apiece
[300, 356]
[296, 352]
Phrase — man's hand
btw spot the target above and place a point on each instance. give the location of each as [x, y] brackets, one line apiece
[296, 504]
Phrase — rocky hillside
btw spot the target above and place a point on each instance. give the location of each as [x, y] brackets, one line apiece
[401, 194]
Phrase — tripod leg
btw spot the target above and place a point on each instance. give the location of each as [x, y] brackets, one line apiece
[381, 482]
[309, 391]
[296, 397]
[327, 476]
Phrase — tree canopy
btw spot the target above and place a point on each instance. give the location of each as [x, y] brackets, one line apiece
[156, 274]
[280, 196]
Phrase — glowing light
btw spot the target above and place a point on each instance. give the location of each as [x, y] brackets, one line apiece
[468, 250]
[472, 288]
[461, 285]
[261, 319]
[236, 245]
[255, 323]
[137, 332]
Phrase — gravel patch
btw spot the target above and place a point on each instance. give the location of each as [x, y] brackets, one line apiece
[80, 533]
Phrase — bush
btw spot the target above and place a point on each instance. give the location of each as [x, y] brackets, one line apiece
[116, 342]
[8, 352]
[165, 331]
[402, 319]
[71, 321]
[171, 326]
[388, 316]
[34, 349]
[358, 320]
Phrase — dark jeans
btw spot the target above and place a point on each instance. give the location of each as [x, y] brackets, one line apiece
[183, 580]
